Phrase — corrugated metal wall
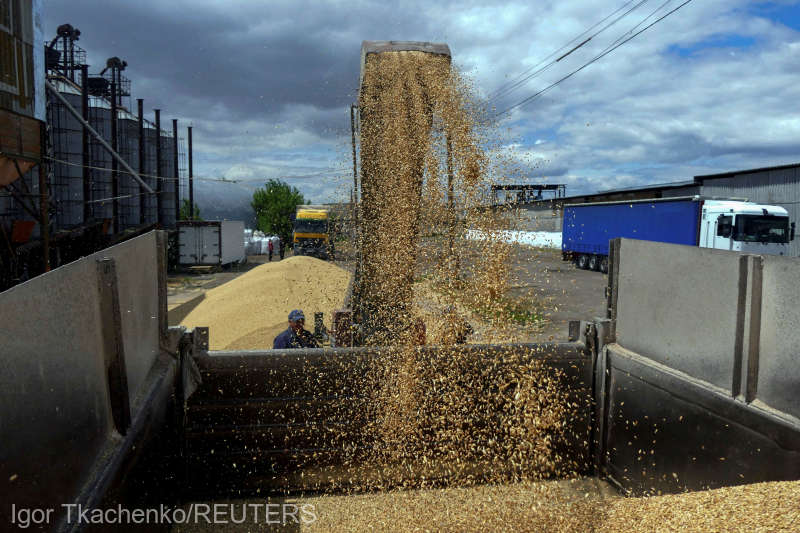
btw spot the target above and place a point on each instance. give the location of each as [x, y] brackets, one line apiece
[776, 187]
[683, 191]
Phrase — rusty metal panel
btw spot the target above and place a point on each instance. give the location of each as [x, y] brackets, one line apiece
[20, 141]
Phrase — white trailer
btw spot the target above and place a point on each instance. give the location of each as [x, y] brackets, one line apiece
[211, 242]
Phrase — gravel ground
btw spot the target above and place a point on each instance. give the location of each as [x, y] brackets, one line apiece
[564, 291]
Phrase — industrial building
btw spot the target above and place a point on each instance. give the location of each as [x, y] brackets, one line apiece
[778, 185]
[91, 170]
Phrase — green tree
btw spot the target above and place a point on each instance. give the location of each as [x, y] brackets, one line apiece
[184, 214]
[275, 205]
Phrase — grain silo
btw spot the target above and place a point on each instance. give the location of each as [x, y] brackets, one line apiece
[66, 139]
[100, 188]
[87, 194]
[129, 190]
[168, 183]
[150, 206]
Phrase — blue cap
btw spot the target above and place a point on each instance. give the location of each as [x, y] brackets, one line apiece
[296, 315]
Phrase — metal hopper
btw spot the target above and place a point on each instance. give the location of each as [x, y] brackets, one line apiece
[379, 47]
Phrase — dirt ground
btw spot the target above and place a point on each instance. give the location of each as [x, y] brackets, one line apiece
[562, 292]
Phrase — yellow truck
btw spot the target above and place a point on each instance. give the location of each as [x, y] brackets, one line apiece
[312, 232]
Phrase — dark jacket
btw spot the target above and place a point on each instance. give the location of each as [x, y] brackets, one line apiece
[290, 339]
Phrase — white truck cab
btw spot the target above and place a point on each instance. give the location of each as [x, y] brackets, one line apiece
[745, 227]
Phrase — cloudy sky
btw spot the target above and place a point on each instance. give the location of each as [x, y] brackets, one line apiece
[713, 87]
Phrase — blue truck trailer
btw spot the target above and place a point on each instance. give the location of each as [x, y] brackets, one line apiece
[694, 221]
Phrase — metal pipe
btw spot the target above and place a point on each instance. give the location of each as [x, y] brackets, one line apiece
[175, 173]
[114, 166]
[87, 190]
[159, 186]
[142, 197]
[96, 135]
[44, 202]
[72, 58]
[191, 180]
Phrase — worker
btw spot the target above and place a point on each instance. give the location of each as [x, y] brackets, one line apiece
[295, 336]
[270, 248]
[281, 247]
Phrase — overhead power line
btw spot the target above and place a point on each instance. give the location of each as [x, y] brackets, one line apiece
[120, 171]
[219, 180]
[526, 76]
[596, 58]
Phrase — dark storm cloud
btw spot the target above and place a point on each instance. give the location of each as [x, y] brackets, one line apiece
[243, 61]
[267, 85]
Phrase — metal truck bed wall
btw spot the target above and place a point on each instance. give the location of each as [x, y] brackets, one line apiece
[85, 376]
[697, 373]
[587, 228]
[289, 420]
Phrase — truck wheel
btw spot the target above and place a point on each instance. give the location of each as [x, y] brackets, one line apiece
[582, 262]
[604, 265]
[594, 262]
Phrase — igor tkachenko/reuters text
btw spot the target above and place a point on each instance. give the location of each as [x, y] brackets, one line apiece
[195, 513]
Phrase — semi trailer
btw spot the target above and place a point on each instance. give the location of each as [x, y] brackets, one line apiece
[204, 243]
[730, 224]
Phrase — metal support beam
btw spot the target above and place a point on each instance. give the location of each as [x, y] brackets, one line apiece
[20, 198]
[191, 179]
[142, 198]
[87, 176]
[175, 172]
[159, 180]
[114, 166]
[114, 345]
[97, 136]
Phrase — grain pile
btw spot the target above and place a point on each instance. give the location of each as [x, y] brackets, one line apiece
[762, 507]
[249, 311]
[566, 506]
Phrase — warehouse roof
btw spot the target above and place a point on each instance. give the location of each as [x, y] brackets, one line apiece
[749, 171]
[647, 187]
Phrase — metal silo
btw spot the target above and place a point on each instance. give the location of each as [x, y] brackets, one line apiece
[149, 172]
[169, 184]
[128, 144]
[66, 137]
[100, 160]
